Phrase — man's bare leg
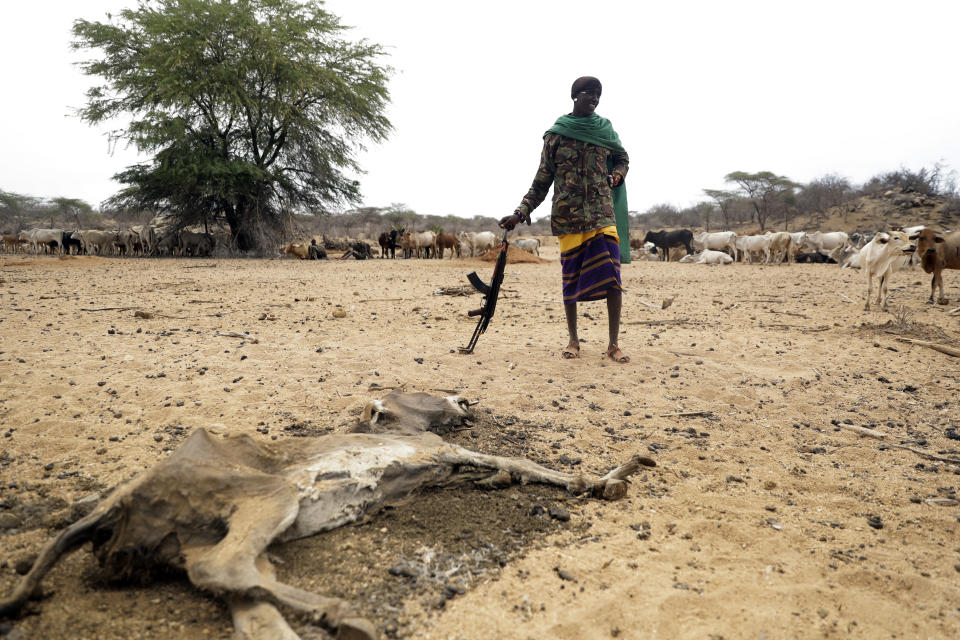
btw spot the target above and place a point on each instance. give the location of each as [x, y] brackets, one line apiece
[614, 305]
[573, 348]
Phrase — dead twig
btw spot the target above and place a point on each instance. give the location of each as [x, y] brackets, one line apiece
[460, 290]
[663, 305]
[382, 300]
[685, 414]
[790, 313]
[942, 348]
[863, 431]
[147, 315]
[953, 311]
[924, 454]
[844, 297]
[200, 266]
[237, 334]
[106, 308]
[659, 322]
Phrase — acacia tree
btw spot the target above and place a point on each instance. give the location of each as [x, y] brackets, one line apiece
[253, 109]
[764, 190]
[725, 201]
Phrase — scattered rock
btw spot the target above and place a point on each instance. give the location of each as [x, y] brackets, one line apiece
[9, 521]
[563, 574]
[559, 513]
[23, 565]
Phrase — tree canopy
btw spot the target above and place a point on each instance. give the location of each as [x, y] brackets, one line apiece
[765, 190]
[253, 109]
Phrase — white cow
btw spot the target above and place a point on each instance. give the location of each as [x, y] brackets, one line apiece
[720, 241]
[647, 252]
[41, 239]
[779, 249]
[748, 246]
[148, 237]
[483, 242]
[421, 242]
[530, 245]
[96, 242]
[880, 258]
[851, 261]
[708, 256]
[819, 242]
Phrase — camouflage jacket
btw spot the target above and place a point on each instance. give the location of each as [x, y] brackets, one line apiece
[582, 198]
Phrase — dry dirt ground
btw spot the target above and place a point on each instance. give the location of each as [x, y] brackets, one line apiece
[766, 517]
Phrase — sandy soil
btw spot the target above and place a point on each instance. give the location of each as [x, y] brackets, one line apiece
[754, 524]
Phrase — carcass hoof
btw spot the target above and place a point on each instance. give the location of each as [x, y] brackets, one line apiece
[356, 629]
[614, 489]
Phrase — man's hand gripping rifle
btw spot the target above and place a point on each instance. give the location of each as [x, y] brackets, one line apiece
[490, 294]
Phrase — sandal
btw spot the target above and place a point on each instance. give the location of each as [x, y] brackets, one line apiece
[571, 351]
[615, 354]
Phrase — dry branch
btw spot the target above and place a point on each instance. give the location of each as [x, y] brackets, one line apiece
[924, 454]
[663, 305]
[106, 308]
[844, 297]
[942, 348]
[237, 334]
[659, 322]
[863, 431]
[685, 414]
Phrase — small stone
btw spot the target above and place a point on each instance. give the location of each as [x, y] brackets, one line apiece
[563, 574]
[559, 513]
[23, 565]
[158, 437]
[9, 521]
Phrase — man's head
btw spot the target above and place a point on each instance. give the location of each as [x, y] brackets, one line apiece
[586, 95]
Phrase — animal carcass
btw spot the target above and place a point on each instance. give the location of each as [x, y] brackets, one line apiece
[212, 507]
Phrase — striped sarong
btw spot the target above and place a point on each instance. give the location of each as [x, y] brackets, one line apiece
[591, 269]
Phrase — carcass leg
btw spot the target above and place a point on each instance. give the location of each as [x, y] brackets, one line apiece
[611, 486]
[237, 568]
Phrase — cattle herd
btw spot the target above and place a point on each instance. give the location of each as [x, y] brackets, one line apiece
[878, 254]
[140, 240]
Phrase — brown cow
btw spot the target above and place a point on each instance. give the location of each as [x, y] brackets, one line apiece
[447, 241]
[12, 243]
[937, 251]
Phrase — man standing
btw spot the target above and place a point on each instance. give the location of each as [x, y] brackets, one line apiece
[584, 161]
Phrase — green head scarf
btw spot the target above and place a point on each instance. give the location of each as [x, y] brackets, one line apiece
[599, 131]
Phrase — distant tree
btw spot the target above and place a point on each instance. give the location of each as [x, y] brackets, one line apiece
[13, 208]
[70, 209]
[823, 193]
[936, 181]
[252, 108]
[725, 203]
[764, 190]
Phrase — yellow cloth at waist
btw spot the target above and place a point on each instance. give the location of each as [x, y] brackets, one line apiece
[574, 240]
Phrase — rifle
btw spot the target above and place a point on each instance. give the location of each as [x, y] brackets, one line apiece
[490, 294]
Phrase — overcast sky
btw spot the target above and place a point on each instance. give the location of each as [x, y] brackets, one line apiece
[696, 90]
